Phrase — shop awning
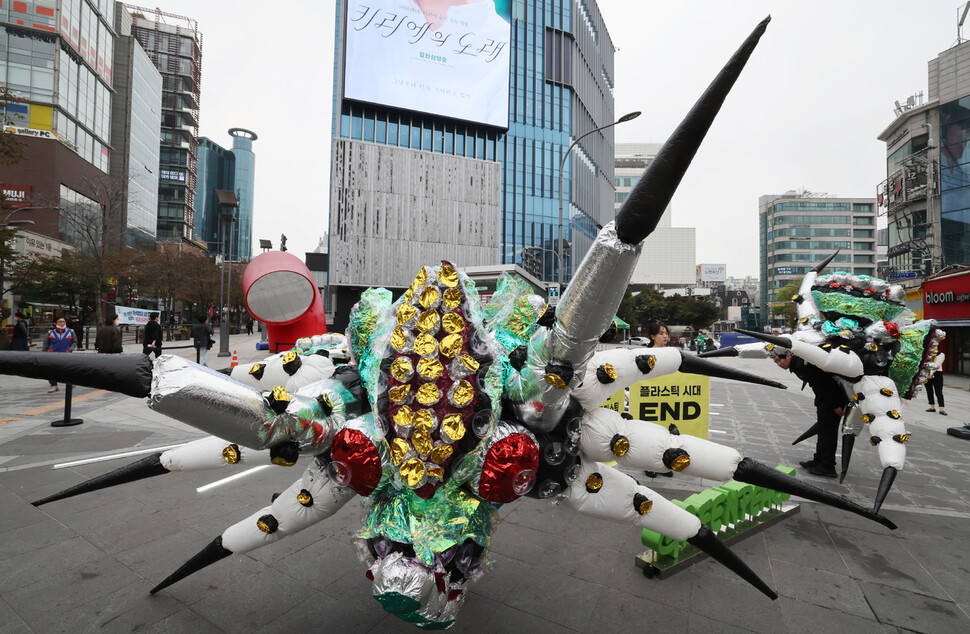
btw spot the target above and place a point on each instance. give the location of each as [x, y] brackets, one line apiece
[622, 325]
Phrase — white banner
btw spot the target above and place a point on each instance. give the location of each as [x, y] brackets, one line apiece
[134, 316]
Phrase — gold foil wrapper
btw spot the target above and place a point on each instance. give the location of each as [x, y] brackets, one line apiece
[556, 381]
[620, 446]
[412, 472]
[451, 345]
[404, 417]
[436, 472]
[441, 453]
[453, 323]
[399, 450]
[263, 526]
[680, 463]
[428, 394]
[425, 344]
[452, 298]
[594, 482]
[644, 507]
[893, 414]
[428, 321]
[304, 498]
[231, 454]
[462, 393]
[469, 362]
[903, 438]
[280, 394]
[405, 313]
[429, 297]
[885, 391]
[420, 279]
[399, 394]
[424, 421]
[430, 369]
[610, 371]
[447, 275]
[453, 428]
[402, 369]
[408, 296]
[399, 340]
[421, 442]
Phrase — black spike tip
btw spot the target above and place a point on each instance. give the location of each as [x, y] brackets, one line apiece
[645, 205]
[776, 340]
[808, 433]
[129, 374]
[848, 441]
[206, 557]
[885, 483]
[706, 540]
[690, 364]
[729, 351]
[821, 265]
[147, 467]
[760, 474]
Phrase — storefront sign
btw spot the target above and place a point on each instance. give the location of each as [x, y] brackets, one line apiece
[947, 298]
[15, 196]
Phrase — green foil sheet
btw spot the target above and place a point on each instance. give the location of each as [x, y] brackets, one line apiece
[864, 307]
[363, 319]
[906, 365]
[432, 526]
[509, 314]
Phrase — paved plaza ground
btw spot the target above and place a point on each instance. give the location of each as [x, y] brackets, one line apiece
[86, 564]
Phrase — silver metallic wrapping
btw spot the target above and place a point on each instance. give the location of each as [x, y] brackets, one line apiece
[584, 313]
[404, 576]
[209, 401]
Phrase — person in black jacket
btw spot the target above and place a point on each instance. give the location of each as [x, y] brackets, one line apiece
[830, 401]
[202, 339]
[153, 336]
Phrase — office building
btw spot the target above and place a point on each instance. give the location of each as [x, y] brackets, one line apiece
[174, 45]
[232, 170]
[136, 118]
[798, 229]
[56, 55]
[673, 250]
[452, 150]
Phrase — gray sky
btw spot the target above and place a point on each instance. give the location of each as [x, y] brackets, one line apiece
[805, 112]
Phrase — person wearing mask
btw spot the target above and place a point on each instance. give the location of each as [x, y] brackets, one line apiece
[658, 334]
[108, 339]
[202, 339]
[21, 334]
[830, 401]
[153, 336]
[59, 339]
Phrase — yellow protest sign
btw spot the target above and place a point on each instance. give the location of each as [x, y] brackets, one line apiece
[681, 399]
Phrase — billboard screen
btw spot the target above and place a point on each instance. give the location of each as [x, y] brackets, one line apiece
[955, 179]
[712, 272]
[451, 60]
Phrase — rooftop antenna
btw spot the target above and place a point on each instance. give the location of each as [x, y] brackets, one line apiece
[963, 17]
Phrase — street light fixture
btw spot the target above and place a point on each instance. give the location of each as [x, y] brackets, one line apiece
[229, 203]
[560, 243]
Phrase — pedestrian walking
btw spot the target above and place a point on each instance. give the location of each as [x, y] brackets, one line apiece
[59, 339]
[153, 336]
[21, 334]
[77, 326]
[935, 384]
[108, 339]
[202, 339]
[249, 324]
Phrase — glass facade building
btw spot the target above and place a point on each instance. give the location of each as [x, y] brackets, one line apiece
[560, 87]
[57, 56]
[245, 188]
[231, 170]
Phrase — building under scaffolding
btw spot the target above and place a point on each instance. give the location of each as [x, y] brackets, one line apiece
[174, 45]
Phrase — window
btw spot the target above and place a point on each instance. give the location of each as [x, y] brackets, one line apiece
[862, 233]
[862, 220]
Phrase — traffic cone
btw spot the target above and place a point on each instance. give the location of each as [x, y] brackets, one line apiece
[235, 360]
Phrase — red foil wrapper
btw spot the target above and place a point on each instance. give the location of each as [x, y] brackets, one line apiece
[353, 448]
[507, 458]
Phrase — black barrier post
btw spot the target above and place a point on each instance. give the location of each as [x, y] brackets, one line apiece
[67, 421]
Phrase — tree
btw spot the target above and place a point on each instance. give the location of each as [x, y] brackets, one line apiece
[783, 306]
[698, 312]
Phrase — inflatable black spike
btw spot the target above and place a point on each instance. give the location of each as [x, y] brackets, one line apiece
[729, 351]
[206, 557]
[147, 467]
[129, 374]
[706, 540]
[645, 204]
[821, 265]
[784, 342]
[885, 483]
[690, 364]
[760, 474]
[848, 441]
[808, 433]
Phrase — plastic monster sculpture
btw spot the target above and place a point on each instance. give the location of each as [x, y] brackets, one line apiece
[858, 328]
[448, 411]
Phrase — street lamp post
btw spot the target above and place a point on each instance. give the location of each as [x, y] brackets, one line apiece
[562, 165]
[229, 217]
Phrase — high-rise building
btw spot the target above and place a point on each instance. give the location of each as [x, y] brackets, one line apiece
[56, 61]
[174, 45]
[673, 250]
[798, 229]
[136, 117]
[227, 170]
[449, 132]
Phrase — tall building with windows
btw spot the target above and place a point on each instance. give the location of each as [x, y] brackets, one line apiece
[174, 45]
[228, 170]
[798, 229]
[449, 132]
[673, 250]
[245, 179]
[136, 118]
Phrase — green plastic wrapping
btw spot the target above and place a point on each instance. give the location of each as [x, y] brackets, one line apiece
[865, 307]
